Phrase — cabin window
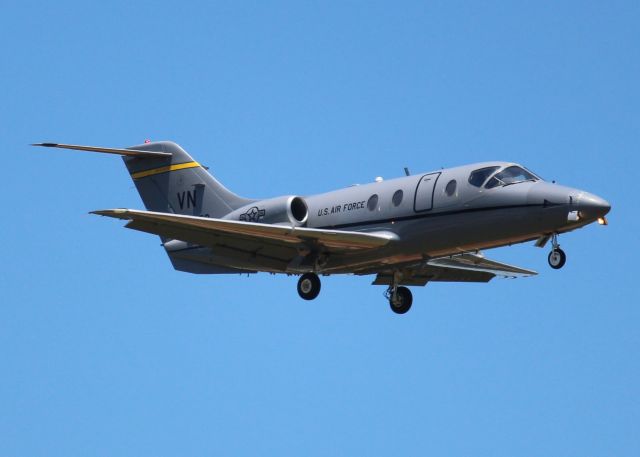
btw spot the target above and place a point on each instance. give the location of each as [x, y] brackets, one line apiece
[510, 175]
[478, 177]
[450, 189]
[397, 197]
[372, 204]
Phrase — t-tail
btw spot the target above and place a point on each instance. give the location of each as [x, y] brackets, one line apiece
[178, 184]
[170, 181]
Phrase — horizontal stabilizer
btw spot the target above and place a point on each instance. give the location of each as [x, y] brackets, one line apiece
[122, 152]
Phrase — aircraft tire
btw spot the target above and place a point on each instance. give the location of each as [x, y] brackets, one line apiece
[404, 300]
[309, 286]
[557, 258]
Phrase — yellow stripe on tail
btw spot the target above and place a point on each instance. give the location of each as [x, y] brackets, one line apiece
[156, 171]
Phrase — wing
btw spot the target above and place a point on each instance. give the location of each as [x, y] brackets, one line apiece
[456, 268]
[275, 245]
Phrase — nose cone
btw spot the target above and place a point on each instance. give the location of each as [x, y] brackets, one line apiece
[592, 207]
[550, 194]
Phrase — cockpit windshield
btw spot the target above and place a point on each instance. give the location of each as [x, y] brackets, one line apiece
[478, 177]
[510, 175]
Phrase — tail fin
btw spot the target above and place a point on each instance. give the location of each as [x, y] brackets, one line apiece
[169, 180]
[178, 184]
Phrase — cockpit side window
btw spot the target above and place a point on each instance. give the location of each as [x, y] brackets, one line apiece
[510, 175]
[478, 177]
[535, 175]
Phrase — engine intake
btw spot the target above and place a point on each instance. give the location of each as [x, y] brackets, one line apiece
[289, 210]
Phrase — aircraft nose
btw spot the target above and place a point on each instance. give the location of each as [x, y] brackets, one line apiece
[592, 207]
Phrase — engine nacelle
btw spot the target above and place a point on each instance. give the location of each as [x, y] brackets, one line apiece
[289, 210]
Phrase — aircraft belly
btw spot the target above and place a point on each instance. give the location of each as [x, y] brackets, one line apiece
[483, 229]
[436, 235]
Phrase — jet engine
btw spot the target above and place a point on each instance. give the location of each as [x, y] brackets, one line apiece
[287, 210]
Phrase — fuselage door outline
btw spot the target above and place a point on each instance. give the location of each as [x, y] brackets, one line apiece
[423, 197]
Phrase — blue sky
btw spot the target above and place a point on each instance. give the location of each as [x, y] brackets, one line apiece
[105, 350]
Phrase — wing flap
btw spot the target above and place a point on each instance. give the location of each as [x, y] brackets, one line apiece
[457, 268]
[476, 262]
[421, 277]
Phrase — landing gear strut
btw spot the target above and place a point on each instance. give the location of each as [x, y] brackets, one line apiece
[400, 298]
[309, 286]
[557, 258]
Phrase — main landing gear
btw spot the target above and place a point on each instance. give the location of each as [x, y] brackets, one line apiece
[557, 258]
[400, 298]
[309, 286]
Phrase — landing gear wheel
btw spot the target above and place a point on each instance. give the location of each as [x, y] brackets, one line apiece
[557, 258]
[401, 302]
[309, 286]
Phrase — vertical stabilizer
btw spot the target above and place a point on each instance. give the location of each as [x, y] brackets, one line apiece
[178, 184]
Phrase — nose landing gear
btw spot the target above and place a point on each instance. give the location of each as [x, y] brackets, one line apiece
[309, 286]
[557, 258]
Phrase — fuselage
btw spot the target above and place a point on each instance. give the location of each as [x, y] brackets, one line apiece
[427, 215]
[453, 210]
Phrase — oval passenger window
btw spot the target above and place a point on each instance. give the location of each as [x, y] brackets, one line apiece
[372, 204]
[451, 188]
[397, 197]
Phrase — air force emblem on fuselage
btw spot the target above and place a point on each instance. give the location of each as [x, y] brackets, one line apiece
[254, 214]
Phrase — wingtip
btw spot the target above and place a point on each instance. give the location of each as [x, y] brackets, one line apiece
[109, 212]
[46, 145]
[523, 274]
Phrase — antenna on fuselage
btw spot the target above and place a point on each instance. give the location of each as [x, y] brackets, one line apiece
[406, 171]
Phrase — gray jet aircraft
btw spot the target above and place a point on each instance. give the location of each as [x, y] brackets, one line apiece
[407, 231]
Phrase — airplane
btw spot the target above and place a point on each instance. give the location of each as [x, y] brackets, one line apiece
[407, 231]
